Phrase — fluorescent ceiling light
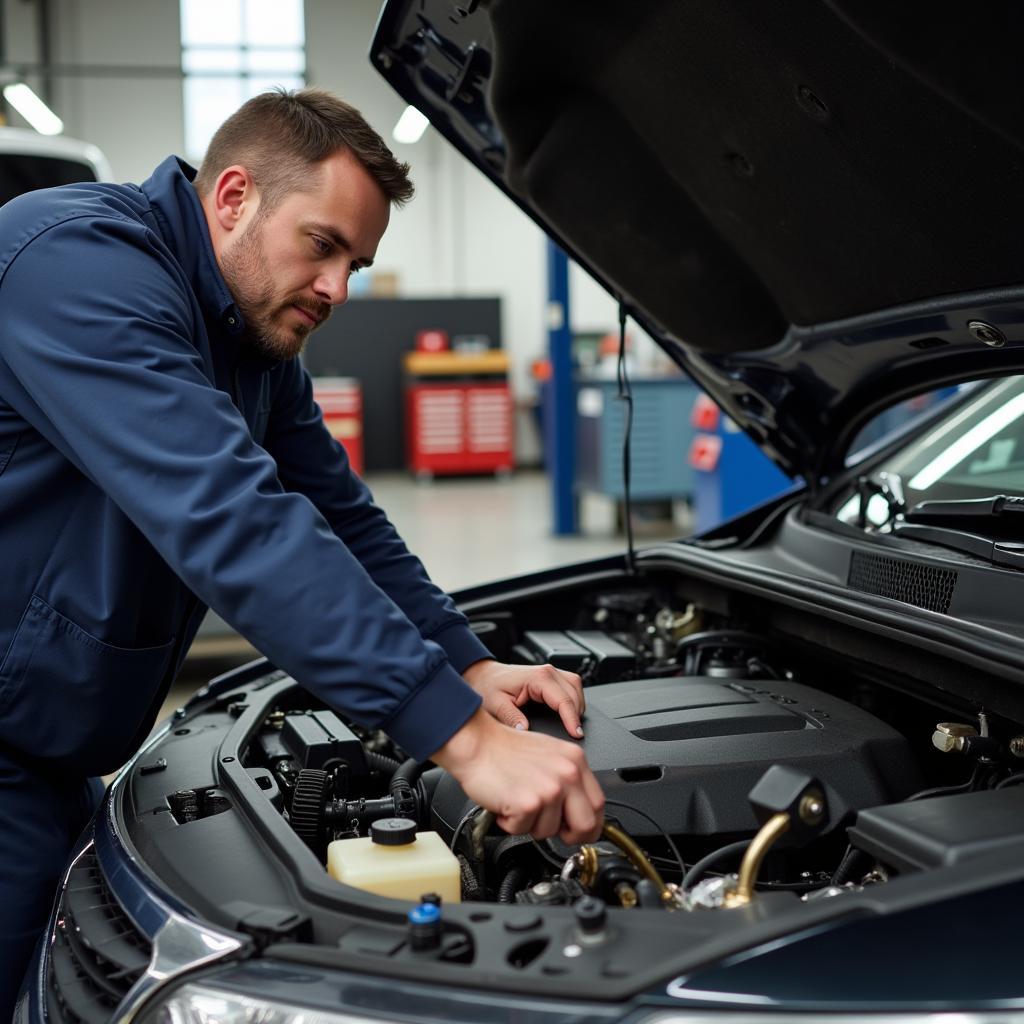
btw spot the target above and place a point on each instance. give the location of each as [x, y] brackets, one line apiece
[411, 126]
[33, 109]
[968, 443]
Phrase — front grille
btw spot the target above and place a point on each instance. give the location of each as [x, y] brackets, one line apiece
[97, 953]
[910, 582]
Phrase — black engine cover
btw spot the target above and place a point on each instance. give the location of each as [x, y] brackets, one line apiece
[688, 750]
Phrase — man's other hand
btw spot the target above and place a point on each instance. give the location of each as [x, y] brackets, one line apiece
[506, 688]
[532, 782]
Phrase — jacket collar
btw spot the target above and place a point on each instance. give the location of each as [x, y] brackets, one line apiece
[182, 223]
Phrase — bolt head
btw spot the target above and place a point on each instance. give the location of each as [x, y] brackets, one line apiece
[812, 807]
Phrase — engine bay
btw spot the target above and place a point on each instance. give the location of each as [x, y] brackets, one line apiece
[702, 729]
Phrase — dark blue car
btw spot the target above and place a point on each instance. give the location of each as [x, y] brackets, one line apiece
[809, 722]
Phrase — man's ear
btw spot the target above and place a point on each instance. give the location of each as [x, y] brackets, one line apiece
[234, 197]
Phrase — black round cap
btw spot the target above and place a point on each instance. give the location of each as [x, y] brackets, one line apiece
[393, 831]
[590, 913]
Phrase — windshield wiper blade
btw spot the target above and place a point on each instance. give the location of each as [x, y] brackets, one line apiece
[987, 528]
[1007, 554]
[980, 510]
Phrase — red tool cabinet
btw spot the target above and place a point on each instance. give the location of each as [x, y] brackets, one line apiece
[341, 401]
[458, 413]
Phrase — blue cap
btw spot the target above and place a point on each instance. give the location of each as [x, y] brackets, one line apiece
[425, 913]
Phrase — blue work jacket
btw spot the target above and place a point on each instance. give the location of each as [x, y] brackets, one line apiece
[152, 464]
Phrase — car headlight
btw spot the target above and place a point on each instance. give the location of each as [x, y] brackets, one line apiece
[197, 1003]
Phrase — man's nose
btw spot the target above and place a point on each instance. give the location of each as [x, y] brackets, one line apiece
[333, 287]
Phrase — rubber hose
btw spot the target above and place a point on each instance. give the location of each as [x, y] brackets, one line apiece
[694, 874]
[407, 774]
[510, 885]
[381, 763]
[405, 784]
[849, 865]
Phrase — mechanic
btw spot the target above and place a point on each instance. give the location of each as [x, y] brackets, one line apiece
[160, 453]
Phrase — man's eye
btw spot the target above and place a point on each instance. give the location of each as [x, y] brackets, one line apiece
[321, 245]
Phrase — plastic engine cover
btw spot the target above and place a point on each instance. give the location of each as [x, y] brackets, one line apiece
[687, 751]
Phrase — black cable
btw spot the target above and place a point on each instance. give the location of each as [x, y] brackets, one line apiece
[468, 816]
[626, 395]
[926, 794]
[662, 832]
[973, 783]
[789, 886]
[1010, 780]
[693, 875]
[550, 857]
[701, 867]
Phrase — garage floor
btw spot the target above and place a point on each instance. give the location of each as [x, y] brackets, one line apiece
[470, 531]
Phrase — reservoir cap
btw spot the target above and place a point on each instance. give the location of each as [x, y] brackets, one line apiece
[425, 913]
[393, 831]
[425, 928]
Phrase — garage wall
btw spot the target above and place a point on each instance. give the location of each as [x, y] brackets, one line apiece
[136, 119]
[128, 98]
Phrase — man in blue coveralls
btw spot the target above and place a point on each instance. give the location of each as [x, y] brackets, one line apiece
[160, 452]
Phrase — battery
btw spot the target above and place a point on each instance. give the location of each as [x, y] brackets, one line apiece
[320, 739]
[605, 659]
[612, 660]
[552, 647]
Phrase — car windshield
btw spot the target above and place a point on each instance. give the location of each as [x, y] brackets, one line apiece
[975, 452]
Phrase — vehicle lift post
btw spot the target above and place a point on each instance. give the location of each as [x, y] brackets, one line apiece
[560, 411]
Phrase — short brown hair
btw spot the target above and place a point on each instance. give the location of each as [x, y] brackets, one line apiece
[277, 135]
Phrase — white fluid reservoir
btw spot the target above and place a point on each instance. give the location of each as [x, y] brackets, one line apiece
[397, 861]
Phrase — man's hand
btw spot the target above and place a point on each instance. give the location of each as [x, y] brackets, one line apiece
[506, 688]
[533, 783]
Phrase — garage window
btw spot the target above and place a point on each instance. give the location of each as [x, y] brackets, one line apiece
[232, 50]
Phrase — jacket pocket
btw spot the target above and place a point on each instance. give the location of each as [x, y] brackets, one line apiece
[64, 695]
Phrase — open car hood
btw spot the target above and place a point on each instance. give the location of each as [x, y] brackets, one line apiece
[813, 207]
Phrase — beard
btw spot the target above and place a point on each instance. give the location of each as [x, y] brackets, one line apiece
[249, 277]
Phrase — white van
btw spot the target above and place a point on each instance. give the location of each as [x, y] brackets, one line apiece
[29, 161]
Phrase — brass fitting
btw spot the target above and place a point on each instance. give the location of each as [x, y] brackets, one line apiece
[950, 736]
[776, 826]
[626, 895]
[588, 865]
[639, 859]
[812, 807]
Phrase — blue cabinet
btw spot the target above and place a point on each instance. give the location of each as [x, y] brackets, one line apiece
[661, 437]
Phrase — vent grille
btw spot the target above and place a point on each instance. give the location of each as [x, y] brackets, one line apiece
[921, 585]
[97, 953]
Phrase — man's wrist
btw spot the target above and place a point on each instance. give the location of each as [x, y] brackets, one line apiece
[472, 673]
[465, 744]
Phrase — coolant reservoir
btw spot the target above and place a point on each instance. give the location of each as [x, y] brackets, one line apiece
[397, 861]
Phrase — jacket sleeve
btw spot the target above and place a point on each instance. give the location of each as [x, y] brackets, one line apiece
[97, 354]
[313, 463]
